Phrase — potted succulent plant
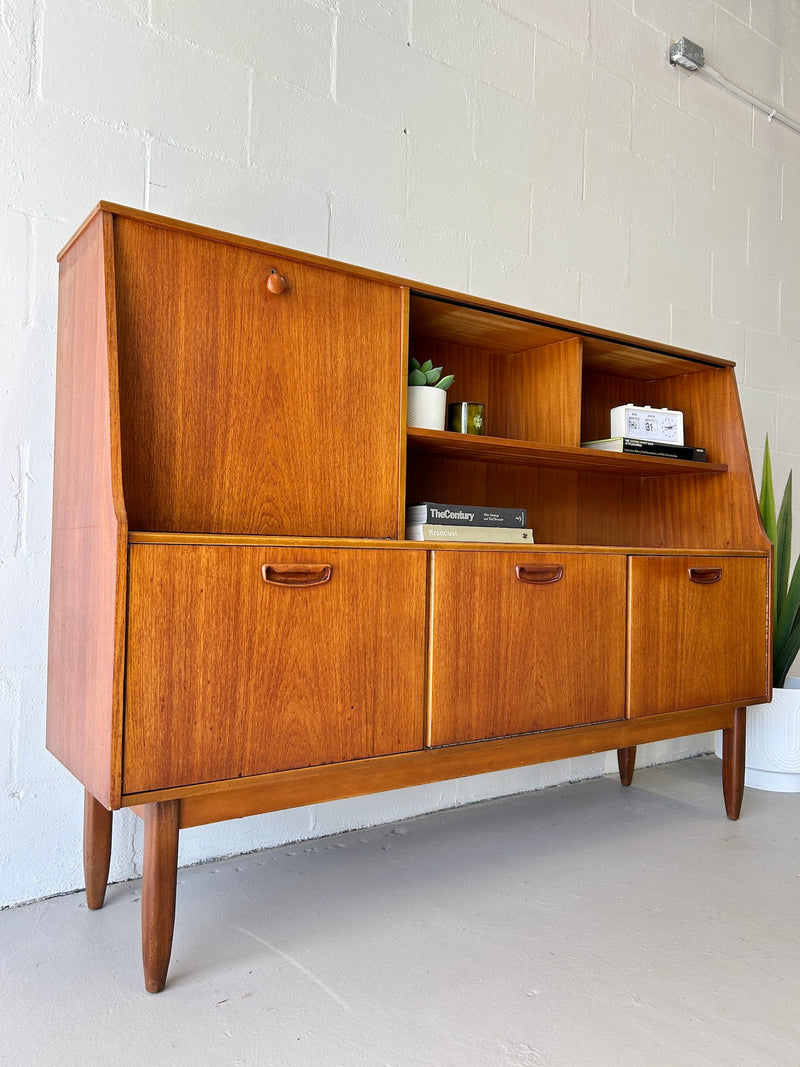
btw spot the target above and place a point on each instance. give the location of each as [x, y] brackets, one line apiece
[427, 395]
[772, 758]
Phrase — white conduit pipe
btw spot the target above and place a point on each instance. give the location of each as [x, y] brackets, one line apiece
[770, 112]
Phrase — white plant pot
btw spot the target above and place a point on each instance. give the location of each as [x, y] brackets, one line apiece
[772, 745]
[427, 407]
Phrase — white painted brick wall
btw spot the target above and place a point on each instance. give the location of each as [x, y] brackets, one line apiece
[748, 176]
[541, 154]
[789, 304]
[791, 80]
[129, 76]
[592, 96]
[480, 39]
[255, 37]
[567, 23]
[737, 285]
[314, 141]
[427, 99]
[637, 188]
[268, 207]
[679, 142]
[755, 59]
[538, 146]
[713, 223]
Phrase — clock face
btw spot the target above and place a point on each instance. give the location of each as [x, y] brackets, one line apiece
[653, 426]
[644, 423]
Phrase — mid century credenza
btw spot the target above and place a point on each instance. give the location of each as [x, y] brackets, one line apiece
[237, 623]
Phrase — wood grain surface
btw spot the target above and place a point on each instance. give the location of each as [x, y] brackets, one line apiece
[508, 657]
[88, 562]
[159, 884]
[249, 412]
[229, 675]
[313, 785]
[694, 644]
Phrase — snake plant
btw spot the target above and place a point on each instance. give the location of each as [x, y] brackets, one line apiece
[427, 374]
[786, 592]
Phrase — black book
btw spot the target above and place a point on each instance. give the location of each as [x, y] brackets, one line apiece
[648, 448]
[465, 515]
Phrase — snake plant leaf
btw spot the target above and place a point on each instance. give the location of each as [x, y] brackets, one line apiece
[446, 382]
[766, 501]
[786, 599]
[783, 547]
[786, 656]
[416, 377]
[787, 629]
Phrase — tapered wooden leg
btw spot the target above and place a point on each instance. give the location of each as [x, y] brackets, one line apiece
[159, 878]
[733, 752]
[626, 758]
[96, 849]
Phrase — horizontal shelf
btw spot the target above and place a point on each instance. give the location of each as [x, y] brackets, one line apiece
[217, 540]
[560, 457]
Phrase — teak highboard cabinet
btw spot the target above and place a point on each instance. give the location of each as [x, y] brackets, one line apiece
[237, 624]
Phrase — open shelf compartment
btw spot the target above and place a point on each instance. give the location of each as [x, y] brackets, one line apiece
[547, 386]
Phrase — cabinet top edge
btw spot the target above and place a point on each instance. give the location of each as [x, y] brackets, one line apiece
[421, 289]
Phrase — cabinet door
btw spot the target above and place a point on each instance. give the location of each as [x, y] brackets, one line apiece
[246, 411]
[698, 632]
[235, 670]
[522, 641]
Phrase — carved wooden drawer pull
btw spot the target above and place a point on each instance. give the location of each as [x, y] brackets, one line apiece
[705, 575]
[296, 574]
[276, 283]
[539, 573]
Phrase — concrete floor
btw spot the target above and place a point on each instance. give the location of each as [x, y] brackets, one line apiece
[581, 925]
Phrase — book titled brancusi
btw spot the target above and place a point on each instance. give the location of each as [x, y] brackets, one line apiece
[432, 531]
[465, 515]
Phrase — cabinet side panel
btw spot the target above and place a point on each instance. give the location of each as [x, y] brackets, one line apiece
[707, 512]
[87, 583]
[544, 400]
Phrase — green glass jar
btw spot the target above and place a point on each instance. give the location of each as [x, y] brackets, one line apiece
[465, 417]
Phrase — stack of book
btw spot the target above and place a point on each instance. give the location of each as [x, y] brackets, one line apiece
[648, 448]
[466, 522]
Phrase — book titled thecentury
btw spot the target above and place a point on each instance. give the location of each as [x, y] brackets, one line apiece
[465, 515]
[648, 448]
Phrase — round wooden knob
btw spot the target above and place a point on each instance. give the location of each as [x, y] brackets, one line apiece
[276, 283]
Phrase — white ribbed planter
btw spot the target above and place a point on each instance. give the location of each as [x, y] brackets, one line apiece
[772, 757]
[427, 407]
